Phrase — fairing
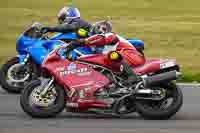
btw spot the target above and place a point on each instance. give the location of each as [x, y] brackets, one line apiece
[80, 81]
[65, 36]
[37, 49]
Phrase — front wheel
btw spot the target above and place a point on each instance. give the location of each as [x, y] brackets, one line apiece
[39, 106]
[14, 76]
[163, 109]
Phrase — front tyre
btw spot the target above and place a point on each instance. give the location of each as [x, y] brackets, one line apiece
[42, 106]
[160, 110]
[14, 76]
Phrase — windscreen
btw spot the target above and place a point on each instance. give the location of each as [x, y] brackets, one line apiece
[34, 31]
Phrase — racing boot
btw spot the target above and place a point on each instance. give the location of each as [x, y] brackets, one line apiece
[130, 78]
[129, 75]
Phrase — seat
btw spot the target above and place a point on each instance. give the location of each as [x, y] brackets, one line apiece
[151, 65]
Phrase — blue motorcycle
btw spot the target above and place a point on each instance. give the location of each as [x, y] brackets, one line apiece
[32, 47]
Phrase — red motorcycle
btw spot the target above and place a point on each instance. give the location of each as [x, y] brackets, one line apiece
[92, 83]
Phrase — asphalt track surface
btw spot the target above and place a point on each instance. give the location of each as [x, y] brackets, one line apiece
[14, 120]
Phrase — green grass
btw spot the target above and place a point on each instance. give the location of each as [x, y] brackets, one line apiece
[170, 29]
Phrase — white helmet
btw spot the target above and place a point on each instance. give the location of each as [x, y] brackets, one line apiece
[101, 27]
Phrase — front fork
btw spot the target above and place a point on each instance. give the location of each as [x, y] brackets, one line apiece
[46, 84]
[23, 59]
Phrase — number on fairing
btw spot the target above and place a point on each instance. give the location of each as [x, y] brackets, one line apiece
[166, 65]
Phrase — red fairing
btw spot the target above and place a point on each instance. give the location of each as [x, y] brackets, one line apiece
[78, 79]
[101, 60]
[80, 74]
[97, 59]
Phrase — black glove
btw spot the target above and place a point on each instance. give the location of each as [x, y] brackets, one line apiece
[74, 44]
[44, 30]
[79, 42]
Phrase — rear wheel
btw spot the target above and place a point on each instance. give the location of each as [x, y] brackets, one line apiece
[124, 106]
[39, 106]
[163, 109]
[14, 76]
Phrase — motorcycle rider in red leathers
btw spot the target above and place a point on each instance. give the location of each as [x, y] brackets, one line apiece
[111, 42]
[101, 33]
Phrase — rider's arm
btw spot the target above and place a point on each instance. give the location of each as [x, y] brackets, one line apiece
[64, 28]
[102, 39]
[95, 40]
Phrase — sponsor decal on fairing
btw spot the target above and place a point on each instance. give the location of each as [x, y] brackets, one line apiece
[72, 69]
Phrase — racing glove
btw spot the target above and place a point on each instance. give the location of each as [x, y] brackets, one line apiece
[44, 30]
[74, 44]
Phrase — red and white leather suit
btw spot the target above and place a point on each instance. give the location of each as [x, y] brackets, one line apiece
[113, 42]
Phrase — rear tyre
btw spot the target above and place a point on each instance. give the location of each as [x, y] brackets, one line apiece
[14, 87]
[34, 109]
[147, 110]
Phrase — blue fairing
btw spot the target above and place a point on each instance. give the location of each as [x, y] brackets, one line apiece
[37, 53]
[36, 48]
[65, 36]
[136, 42]
[24, 42]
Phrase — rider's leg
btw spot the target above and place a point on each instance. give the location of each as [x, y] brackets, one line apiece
[135, 59]
[128, 73]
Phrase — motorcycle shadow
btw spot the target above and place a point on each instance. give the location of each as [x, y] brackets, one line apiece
[133, 116]
[97, 116]
[3, 92]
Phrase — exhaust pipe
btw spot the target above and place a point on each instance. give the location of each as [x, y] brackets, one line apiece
[160, 78]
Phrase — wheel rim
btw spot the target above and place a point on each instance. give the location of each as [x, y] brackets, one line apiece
[17, 78]
[37, 101]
